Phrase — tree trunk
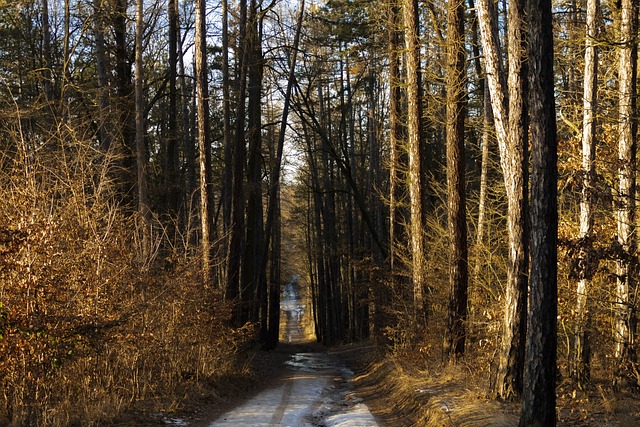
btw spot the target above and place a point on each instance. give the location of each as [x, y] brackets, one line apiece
[226, 122]
[236, 241]
[253, 289]
[397, 190]
[125, 101]
[141, 150]
[46, 51]
[625, 318]
[457, 218]
[104, 133]
[414, 115]
[539, 396]
[581, 353]
[510, 121]
[172, 184]
[203, 137]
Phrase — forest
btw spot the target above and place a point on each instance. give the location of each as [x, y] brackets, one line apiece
[450, 180]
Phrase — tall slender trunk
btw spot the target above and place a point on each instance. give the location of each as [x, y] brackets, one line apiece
[172, 184]
[253, 289]
[141, 150]
[625, 317]
[457, 217]
[416, 188]
[46, 51]
[397, 214]
[226, 121]
[104, 133]
[125, 104]
[581, 353]
[509, 111]
[203, 137]
[236, 241]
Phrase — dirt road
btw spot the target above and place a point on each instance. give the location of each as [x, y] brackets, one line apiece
[314, 389]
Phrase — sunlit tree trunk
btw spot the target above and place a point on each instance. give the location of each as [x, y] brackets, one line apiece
[509, 110]
[415, 149]
[539, 395]
[624, 308]
[204, 159]
[397, 162]
[456, 200]
[581, 347]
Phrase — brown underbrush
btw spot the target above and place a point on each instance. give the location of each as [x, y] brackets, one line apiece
[90, 329]
[418, 389]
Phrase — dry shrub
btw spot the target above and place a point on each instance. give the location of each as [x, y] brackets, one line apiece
[89, 330]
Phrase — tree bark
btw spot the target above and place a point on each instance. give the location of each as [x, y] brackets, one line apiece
[204, 158]
[414, 115]
[539, 396]
[253, 289]
[141, 150]
[104, 133]
[580, 369]
[509, 113]
[236, 241]
[457, 217]
[625, 318]
[172, 184]
[226, 122]
[125, 102]
[398, 162]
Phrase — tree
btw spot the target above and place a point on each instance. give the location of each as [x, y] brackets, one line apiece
[457, 218]
[253, 288]
[416, 187]
[539, 397]
[581, 346]
[398, 160]
[203, 137]
[141, 149]
[625, 321]
[236, 241]
[509, 110]
[172, 184]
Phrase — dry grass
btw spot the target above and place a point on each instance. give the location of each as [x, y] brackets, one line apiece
[89, 330]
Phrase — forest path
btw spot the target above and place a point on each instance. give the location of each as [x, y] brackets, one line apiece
[313, 390]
